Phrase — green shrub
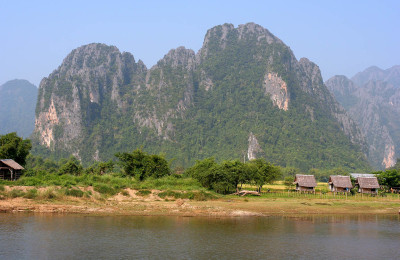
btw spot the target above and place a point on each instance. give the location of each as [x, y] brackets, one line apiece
[125, 193]
[15, 193]
[87, 194]
[48, 194]
[203, 196]
[74, 192]
[104, 189]
[31, 194]
[2, 188]
[169, 193]
[143, 192]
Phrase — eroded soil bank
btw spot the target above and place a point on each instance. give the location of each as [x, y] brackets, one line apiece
[131, 202]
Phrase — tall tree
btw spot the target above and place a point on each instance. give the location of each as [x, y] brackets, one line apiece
[14, 147]
[142, 165]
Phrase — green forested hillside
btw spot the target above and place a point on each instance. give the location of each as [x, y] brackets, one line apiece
[194, 106]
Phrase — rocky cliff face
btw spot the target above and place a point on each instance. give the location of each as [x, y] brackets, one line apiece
[71, 100]
[375, 107]
[195, 105]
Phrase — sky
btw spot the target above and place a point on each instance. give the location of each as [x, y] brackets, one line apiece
[341, 37]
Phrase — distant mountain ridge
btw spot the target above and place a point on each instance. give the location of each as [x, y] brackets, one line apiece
[372, 98]
[242, 95]
[391, 75]
[17, 106]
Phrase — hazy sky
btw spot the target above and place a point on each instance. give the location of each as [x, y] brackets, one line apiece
[341, 37]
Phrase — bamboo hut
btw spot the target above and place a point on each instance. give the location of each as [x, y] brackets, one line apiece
[368, 185]
[305, 182]
[10, 170]
[338, 183]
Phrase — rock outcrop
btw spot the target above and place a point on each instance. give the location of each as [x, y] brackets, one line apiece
[375, 107]
[195, 105]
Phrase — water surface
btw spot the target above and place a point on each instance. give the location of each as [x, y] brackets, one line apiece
[32, 236]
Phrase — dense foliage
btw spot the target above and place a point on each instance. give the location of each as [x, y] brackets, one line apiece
[142, 165]
[14, 147]
[226, 176]
[389, 178]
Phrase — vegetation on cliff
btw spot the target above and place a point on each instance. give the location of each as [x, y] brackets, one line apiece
[243, 82]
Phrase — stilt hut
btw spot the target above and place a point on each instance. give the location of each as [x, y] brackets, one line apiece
[368, 185]
[10, 169]
[305, 182]
[338, 183]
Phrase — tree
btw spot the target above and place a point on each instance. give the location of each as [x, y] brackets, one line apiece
[263, 172]
[72, 166]
[141, 165]
[14, 147]
[288, 181]
[291, 171]
[100, 168]
[389, 178]
[202, 172]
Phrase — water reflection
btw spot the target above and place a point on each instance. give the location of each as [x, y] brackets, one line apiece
[88, 237]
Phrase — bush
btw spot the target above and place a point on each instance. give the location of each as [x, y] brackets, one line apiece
[48, 194]
[72, 166]
[143, 192]
[142, 165]
[2, 188]
[15, 193]
[104, 189]
[74, 192]
[31, 194]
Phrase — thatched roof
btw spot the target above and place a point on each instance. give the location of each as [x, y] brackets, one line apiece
[12, 164]
[305, 180]
[340, 181]
[368, 182]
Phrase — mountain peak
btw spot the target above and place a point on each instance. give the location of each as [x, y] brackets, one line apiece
[179, 57]
[193, 106]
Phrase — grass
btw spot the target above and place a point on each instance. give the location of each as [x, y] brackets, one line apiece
[31, 194]
[74, 192]
[15, 193]
[192, 195]
[105, 189]
[279, 186]
[143, 192]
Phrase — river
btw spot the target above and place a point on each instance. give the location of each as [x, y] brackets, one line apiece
[44, 236]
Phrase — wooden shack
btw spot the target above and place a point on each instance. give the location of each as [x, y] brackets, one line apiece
[338, 183]
[368, 185]
[305, 182]
[10, 169]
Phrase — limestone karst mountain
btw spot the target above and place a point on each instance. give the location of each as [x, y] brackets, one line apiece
[242, 94]
[372, 98]
[17, 107]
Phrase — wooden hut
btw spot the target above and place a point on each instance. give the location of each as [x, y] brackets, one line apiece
[338, 183]
[10, 170]
[368, 185]
[305, 182]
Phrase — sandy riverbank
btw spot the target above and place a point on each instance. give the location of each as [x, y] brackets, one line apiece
[132, 204]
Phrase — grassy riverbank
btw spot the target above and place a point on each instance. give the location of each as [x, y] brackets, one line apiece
[129, 201]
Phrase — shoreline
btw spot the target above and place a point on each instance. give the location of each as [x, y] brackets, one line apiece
[228, 206]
